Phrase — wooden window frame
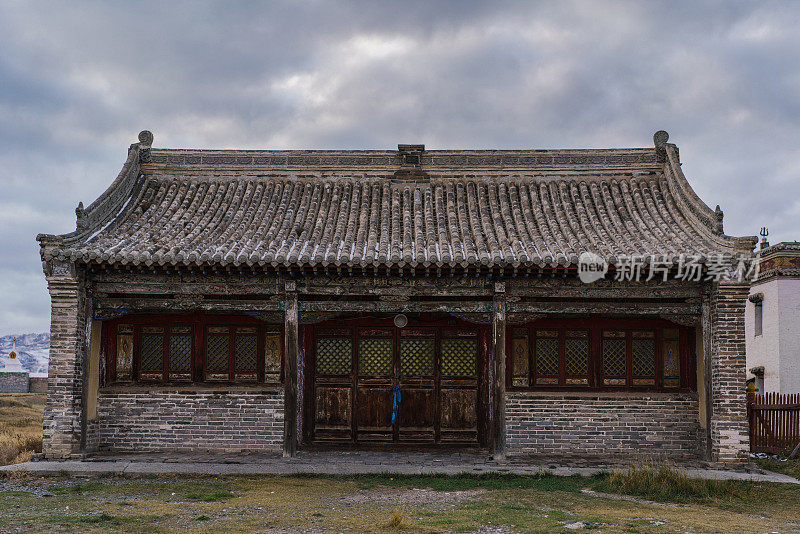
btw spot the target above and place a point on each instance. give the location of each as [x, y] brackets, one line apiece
[595, 327]
[199, 323]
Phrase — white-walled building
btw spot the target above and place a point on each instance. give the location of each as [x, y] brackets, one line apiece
[772, 321]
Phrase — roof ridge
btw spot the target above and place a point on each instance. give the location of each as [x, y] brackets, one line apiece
[154, 211]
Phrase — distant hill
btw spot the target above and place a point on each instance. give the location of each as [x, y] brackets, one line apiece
[33, 351]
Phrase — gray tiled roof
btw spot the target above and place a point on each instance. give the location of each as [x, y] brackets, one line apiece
[454, 208]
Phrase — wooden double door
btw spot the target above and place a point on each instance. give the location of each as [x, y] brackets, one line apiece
[377, 383]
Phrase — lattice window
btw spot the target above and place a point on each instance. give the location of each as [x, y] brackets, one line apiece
[614, 357]
[459, 357]
[576, 356]
[217, 353]
[180, 353]
[417, 357]
[546, 355]
[643, 358]
[334, 356]
[375, 356]
[151, 358]
[245, 353]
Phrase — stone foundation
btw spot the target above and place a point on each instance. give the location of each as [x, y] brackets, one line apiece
[639, 425]
[168, 419]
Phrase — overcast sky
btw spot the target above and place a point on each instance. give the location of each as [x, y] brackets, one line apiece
[78, 81]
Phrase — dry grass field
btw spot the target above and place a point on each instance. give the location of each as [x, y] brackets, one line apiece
[645, 499]
[384, 503]
[20, 426]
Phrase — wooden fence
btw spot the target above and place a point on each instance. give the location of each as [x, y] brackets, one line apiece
[774, 422]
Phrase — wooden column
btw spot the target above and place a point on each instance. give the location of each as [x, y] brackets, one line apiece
[290, 380]
[499, 371]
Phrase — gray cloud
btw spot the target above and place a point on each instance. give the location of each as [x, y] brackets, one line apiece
[78, 81]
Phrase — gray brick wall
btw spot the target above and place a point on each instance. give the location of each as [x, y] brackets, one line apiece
[603, 424]
[730, 440]
[63, 409]
[13, 382]
[168, 419]
[38, 384]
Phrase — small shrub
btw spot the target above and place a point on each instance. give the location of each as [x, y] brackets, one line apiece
[398, 518]
[18, 447]
[202, 518]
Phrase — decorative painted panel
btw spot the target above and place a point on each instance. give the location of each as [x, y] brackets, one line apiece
[459, 357]
[334, 356]
[519, 357]
[671, 355]
[272, 355]
[124, 352]
[417, 357]
[375, 356]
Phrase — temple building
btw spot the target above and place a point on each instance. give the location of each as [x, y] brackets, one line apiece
[773, 321]
[491, 300]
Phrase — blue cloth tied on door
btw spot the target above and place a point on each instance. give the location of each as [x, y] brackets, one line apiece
[395, 402]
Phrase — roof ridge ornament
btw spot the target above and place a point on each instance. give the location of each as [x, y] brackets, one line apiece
[660, 139]
[80, 216]
[145, 142]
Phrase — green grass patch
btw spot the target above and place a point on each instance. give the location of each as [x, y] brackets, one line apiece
[665, 484]
[15, 493]
[90, 486]
[489, 481]
[780, 464]
[103, 518]
[209, 496]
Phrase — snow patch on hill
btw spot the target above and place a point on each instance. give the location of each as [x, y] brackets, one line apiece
[33, 351]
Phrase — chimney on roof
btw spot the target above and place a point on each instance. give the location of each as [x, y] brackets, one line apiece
[660, 139]
[410, 162]
[411, 154]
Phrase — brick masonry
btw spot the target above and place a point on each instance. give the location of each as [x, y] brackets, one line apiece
[730, 440]
[37, 384]
[14, 382]
[62, 433]
[22, 382]
[651, 425]
[168, 419]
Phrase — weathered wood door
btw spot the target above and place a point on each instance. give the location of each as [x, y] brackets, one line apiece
[358, 370]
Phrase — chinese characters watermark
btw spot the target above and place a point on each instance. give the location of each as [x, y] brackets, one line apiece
[715, 267]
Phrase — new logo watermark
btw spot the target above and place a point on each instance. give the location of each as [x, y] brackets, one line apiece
[591, 267]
